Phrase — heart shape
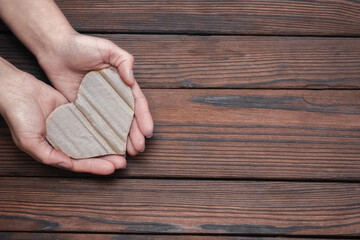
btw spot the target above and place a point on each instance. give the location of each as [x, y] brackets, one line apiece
[99, 120]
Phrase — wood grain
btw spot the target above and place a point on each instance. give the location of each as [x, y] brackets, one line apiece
[261, 134]
[16, 53]
[275, 17]
[170, 61]
[98, 122]
[279, 17]
[252, 157]
[87, 236]
[179, 206]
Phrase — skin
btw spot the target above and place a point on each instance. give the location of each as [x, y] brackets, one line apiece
[65, 56]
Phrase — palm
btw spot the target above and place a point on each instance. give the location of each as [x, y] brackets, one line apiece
[80, 54]
[27, 124]
[31, 108]
[77, 57]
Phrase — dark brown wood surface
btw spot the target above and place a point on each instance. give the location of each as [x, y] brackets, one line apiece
[275, 17]
[179, 206]
[279, 17]
[246, 145]
[262, 134]
[176, 61]
[81, 236]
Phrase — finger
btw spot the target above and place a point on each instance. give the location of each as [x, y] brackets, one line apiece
[123, 61]
[136, 137]
[93, 165]
[117, 160]
[43, 152]
[142, 112]
[130, 148]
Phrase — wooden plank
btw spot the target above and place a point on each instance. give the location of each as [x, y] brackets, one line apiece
[170, 61]
[279, 17]
[275, 17]
[179, 206]
[262, 134]
[94, 236]
[13, 51]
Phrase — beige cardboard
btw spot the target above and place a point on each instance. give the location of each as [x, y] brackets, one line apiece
[98, 122]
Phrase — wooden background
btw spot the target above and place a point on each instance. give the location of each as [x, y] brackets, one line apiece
[257, 132]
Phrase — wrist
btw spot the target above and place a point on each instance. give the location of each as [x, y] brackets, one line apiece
[39, 24]
[51, 43]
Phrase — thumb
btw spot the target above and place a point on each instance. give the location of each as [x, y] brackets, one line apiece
[123, 62]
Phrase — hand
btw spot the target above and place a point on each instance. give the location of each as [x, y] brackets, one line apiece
[77, 54]
[25, 103]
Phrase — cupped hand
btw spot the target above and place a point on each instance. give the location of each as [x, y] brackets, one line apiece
[76, 55]
[25, 103]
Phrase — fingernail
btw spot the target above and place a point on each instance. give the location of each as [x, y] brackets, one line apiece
[149, 136]
[132, 77]
[63, 165]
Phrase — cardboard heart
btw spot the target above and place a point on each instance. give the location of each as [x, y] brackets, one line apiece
[98, 122]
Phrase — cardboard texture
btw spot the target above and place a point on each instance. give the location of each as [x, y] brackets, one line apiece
[98, 122]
